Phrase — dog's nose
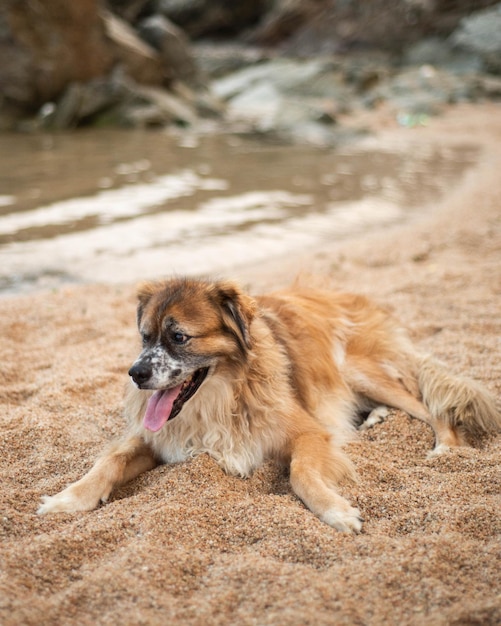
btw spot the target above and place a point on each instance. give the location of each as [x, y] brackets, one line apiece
[140, 373]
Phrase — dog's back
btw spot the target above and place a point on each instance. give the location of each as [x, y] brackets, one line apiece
[345, 349]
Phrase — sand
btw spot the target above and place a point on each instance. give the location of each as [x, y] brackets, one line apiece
[186, 544]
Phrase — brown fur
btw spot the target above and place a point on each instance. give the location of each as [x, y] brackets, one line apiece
[288, 373]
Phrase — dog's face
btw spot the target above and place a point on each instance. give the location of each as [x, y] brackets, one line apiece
[188, 327]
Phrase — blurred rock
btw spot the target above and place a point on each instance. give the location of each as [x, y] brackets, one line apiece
[201, 18]
[206, 104]
[118, 100]
[318, 27]
[66, 64]
[480, 34]
[284, 19]
[172, 45]
[46, 45]
[297, 100]
[141, 61]
[129, 10]
[62, 58]
[80, 102]
[425, 90]
[442, 53]
[489, 86]
[215, 61]
[151, 106]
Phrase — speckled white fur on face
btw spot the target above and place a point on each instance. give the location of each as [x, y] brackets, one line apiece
[166, 370]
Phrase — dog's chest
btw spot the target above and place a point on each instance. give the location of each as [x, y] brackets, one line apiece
[236, 453]
[210, 423]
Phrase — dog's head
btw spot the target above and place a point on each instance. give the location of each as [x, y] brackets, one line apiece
[189, 328]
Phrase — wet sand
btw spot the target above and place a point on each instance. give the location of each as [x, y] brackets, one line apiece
[187, 544]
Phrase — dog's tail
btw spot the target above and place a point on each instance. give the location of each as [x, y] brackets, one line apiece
[461, 402]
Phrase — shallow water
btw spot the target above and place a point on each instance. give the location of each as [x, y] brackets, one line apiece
[118, 206]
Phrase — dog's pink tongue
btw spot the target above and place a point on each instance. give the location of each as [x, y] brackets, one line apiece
[159, 408]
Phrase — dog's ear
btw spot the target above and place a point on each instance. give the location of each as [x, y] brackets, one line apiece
[144, 293]
[238, 309]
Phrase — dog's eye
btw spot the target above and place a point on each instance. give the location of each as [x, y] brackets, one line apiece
[178, 337]
[146, 338]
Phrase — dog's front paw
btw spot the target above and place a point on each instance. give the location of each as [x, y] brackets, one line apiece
[70, 500]
[439, 450]
[57, 504]
[346, 520]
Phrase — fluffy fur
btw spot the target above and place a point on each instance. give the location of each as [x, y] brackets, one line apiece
[286, 376]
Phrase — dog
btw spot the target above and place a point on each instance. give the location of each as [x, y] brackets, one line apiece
[281, 376]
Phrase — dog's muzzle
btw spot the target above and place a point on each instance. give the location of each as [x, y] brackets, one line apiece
[140, 373]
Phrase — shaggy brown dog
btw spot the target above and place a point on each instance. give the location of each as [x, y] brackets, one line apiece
[281, 375]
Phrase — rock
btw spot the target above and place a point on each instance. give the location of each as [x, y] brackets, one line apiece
[216, 61]
[44, 46]
[480, 34]
[296, 100]
[79, 101]
[316, 77]
[425, 90]
[82, 102]
[364, 73]
[311, 27]
[172, 45]
[76, 65]
[490, 87]
[172, 108]
[62, 53]
[315, 27]
[121, 101]
[129, 10]
[284, 19]
[141, 61]
[202, 100]
[200, 18]
[441, 52]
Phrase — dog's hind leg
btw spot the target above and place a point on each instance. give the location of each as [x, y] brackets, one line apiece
[316, 467]
[123, 461]
[381, 388]
[457, 403]
[446, 435]
[376, 416]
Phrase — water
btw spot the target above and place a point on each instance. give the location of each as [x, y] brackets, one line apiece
[118, 206]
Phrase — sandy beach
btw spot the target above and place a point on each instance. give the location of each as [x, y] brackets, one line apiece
[187, 544]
